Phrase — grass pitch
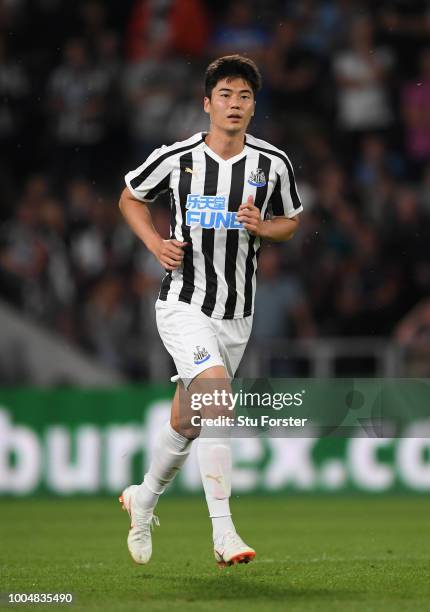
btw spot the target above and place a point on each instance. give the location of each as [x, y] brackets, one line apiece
[313, 553]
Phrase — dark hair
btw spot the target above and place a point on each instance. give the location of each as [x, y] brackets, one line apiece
[232, 66]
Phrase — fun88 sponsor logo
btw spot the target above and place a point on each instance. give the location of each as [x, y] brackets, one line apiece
[209, 212]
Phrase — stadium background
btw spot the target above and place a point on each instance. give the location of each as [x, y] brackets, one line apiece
[87, 90]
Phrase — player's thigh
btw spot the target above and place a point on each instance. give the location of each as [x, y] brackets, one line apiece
[233, 337]
[207, 396]
[211, 390]
[213, 384]
[190, 338]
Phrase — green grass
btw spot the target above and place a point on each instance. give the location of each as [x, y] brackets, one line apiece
[313, 553]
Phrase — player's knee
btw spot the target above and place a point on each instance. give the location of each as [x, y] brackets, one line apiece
[184, 427]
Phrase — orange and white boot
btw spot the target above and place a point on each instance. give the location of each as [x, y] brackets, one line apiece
[231, 549]
[139, 539]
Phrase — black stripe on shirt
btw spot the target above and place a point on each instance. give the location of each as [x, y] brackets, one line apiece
[208, 239]
[249, 272]
[293, 189]
[264, 164]
[138, 180]
[276, 202]
[184, 188]
[232, 240]
[165, 286]
[167, 280]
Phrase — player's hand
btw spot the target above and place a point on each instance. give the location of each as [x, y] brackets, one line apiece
[249, 215]
[171, 253]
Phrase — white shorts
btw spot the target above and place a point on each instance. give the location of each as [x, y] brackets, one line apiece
[197, 342]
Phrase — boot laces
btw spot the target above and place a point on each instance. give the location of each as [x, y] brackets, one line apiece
[146, 526]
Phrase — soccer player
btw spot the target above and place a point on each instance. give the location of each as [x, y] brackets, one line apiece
[228, 192]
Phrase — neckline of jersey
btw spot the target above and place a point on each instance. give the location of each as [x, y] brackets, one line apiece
[218, 158]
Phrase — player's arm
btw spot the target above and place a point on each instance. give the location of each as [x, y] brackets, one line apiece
[138, 216]
[285, 206]
[144, 185]
[278, 229]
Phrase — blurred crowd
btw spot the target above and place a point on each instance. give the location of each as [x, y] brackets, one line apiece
[89, 88]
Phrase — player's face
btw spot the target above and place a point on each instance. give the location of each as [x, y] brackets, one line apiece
[231, 105]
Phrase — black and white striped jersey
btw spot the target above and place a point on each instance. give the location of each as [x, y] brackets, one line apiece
[220, 261]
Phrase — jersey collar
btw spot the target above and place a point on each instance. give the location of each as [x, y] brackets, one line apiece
[220, 160]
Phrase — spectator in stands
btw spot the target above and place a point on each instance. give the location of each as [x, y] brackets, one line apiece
[240, 33]
[364, 286]
[407, 236]
[76, 106]
[35, 268]
[374, 161]
[361, 72]
[281, 309]
[108, 68]
[167, 27]
[108, 323]
[151, 90]
[416, 114]
[322, 24]
[161, 34]
[293, 73]
[24, 260]
[95, 249]
[79, 196]
[60, 284]
[14, 98]
[108, 58]
[188, 115]
[376, 168]
[332, 187]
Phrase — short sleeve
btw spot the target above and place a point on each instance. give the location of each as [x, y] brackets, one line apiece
[152, 178]
[285, 200]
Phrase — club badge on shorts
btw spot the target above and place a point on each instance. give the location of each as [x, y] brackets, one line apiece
[200, 355]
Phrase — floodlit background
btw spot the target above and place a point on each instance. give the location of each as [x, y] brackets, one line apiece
[87, 90]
